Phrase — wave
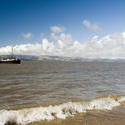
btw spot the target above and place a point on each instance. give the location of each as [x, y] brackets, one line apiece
[62, 111]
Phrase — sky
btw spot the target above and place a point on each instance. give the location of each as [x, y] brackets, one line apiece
[72, 28]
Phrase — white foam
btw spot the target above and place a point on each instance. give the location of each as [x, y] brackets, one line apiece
[121, 99]
[28, 115]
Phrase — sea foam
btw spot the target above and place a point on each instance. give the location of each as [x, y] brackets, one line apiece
[62, 111]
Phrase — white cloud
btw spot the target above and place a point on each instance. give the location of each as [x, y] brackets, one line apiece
[111, 47]
[90, 26]
[57, 29]
[27, 35]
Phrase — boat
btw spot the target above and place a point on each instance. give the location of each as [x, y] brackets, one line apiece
[10, 60]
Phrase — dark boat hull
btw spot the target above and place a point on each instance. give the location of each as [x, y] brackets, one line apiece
[11, 62]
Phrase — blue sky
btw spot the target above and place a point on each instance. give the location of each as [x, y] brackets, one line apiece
[63, 21]
[37, 16]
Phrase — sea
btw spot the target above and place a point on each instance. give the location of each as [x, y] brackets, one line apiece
[62, 93]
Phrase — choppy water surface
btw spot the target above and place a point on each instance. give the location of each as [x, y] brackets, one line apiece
[45, 83]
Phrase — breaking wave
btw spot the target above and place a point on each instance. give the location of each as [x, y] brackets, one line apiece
[62, 111]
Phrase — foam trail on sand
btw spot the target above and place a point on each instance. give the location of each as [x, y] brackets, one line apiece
[62, 111]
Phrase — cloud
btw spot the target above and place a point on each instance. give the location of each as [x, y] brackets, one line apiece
[27, 35]
[57, 29]
[90, 26]
[111, 46]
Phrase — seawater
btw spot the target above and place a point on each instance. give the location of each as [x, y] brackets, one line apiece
[74, 92]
